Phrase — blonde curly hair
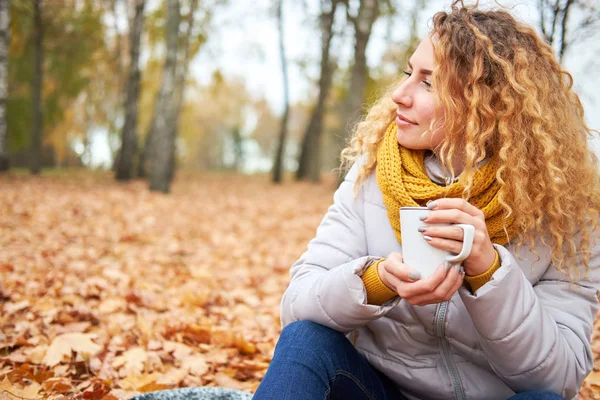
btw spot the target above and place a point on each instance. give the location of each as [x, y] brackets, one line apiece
[504, 94]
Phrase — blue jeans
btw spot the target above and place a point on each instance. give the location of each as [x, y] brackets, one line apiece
[312, 361]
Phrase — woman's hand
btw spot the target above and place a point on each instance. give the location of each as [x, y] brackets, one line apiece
[405, 281]
[459, 211]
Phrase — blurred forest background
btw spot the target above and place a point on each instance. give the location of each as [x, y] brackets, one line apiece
[110, 288]
[146, 87]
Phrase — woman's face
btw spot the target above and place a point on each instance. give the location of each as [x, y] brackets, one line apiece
[415, 102]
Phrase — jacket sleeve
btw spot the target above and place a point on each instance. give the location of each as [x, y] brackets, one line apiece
[537, 337]
[326, 285]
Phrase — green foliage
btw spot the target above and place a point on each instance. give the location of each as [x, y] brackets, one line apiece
[19, 112]
[71, 35]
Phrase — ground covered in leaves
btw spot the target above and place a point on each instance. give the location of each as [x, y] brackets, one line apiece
[108, 290]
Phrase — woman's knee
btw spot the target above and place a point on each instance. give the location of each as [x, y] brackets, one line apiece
[312, 335]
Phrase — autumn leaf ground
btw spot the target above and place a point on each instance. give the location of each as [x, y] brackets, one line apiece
[108, 290]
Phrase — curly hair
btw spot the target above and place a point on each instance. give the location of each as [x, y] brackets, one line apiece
[502, 93]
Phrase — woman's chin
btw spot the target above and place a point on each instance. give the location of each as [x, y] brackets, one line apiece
[410, 142]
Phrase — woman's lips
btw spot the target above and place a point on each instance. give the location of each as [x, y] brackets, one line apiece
[401, 120]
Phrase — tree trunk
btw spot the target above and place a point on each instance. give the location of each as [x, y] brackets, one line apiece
[119, 79]
[36, 89]
[4, 45]
[164, 146]
[368, 12]
[238, 148]
[129, 134]
[278, 164]
[145, 155]
[309, 163]
[181, 74]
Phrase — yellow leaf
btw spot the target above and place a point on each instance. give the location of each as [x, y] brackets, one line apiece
[593, 378]
[224, 380]
[36, 354]
[135, 359]
[180, 350]
[144, 327]
[6, 387]
[195, 364]
[31, 391]
[62, 345]
[136, 382]
[173, 377]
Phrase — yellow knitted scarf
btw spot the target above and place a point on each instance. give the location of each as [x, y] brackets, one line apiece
[402, 179]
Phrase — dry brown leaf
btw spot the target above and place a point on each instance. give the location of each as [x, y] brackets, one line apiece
[31, 391]
[58, 385]
[179, 350]
[12, 308]
[121, 394]
[224, 380]
[154, 345]
[144, 327]
[133, 360]
[109, 306]
[594, 378]
[74, 327]
[36, 354]
[7, 388]
[62, 345]
[137, 382]
[195, 364]
[173, 377]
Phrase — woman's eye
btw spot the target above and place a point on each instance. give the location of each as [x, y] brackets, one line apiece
[407, 73]
[428, 84]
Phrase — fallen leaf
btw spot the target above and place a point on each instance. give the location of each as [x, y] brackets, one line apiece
[224, 380]
[59, 385]
[36, 354]
[136, 382]
[195, 364]
[6, 387]
[62, 345]
[11, 308]
[121, 394]
[594, 378]
[173, 377]
[31, 391]
[179, 350]
[134, 360]
[109, 306]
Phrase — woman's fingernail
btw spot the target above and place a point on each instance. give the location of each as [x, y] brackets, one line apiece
[414, 275]
[457, 268]
[423, 217]
[428, 238]
[432, 204]
[462, 270]
[422, 229]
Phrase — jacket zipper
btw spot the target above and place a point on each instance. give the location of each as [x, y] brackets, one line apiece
[440, 317]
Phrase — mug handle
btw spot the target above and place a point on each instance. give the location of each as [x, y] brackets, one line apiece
[468, 236]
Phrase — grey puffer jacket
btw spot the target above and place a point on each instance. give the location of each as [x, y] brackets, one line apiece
[527, 329]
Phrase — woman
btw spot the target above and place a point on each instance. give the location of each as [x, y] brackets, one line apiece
[484, 129]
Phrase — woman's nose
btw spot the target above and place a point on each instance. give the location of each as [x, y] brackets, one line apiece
[402, 96]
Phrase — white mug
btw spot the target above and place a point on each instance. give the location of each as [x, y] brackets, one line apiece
[418, 253]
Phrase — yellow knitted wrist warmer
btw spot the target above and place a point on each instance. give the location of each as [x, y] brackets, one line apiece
[477, 281]
[377, 292]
